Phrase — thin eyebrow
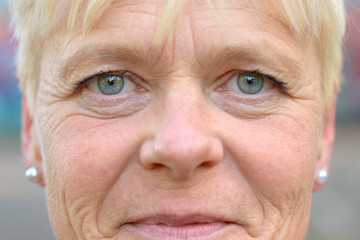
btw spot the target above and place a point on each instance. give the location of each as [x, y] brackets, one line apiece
[252, 53]
[97, 54]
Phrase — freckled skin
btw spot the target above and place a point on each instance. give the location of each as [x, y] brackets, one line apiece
[181, 143]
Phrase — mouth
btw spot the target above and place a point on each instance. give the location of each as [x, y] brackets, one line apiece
[179, 227]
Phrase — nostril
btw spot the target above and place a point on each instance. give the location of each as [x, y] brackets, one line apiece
[154, 166]
[207, 164]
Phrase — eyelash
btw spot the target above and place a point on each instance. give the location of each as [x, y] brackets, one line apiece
[281, 84]
[79, 84]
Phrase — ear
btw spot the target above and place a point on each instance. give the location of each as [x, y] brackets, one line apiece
[326, 147]
[30, 143]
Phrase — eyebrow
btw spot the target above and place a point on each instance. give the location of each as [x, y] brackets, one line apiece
[253, 53]
[96, 54]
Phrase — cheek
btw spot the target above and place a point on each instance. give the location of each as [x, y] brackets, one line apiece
[84, 157]
[91, 148]
[276, 155]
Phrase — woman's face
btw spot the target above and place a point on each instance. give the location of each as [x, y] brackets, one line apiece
[216, 134]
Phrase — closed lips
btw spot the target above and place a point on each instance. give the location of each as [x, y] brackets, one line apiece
[179, 227]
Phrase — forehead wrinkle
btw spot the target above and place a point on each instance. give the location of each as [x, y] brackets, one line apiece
[270, 10]
[245, 49]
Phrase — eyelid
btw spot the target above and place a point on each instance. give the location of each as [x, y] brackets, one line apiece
[225, 78]
[123, 73]
[81, 83]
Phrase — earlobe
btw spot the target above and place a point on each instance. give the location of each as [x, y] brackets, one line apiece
[30, 144]
[325, 152]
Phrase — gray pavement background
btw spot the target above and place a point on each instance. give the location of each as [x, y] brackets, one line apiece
[335, 210]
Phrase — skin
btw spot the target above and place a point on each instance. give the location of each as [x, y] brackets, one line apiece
[181, 153]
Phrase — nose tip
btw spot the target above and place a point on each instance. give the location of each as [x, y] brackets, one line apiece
[182, 153]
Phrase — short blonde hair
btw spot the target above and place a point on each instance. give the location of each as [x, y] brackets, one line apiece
[34, 21]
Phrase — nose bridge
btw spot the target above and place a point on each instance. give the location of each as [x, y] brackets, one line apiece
[182, 133]
[184, 106]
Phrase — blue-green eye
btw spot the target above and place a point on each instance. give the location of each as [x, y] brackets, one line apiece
[250, 83]
[110, 84]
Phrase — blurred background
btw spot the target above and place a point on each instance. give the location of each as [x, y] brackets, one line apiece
[335, 210]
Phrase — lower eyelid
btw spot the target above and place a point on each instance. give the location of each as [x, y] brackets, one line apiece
[234, 100]
[121, 105]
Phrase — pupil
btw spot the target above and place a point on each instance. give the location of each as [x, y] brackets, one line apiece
[250, 81]
[111, 82]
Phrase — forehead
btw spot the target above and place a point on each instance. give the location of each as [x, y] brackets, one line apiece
[166, 12]
[209, 23]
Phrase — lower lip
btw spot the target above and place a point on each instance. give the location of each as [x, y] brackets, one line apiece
[188, 231]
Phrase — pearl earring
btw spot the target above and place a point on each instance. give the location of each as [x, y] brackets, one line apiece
[31, 173]
[323, 175]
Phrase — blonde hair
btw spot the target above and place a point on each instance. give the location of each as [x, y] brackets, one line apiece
[34, 21]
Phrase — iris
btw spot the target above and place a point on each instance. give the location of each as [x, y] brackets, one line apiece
[250, 83]
[110, 84]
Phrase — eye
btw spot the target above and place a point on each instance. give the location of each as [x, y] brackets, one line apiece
[111, 83]
[250, 83]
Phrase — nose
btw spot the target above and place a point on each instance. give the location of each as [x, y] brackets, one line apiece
[182, 141]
